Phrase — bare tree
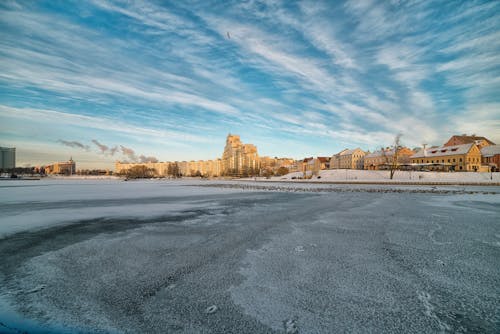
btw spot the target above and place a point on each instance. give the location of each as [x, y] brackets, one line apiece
[396, 148]
[282, 171]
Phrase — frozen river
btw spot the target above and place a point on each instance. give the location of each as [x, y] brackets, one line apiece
[105, 256]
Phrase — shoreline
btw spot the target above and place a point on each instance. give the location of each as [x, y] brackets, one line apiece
[387, 182]
[492, 183]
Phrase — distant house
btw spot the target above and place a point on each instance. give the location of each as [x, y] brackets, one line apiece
[63, 168]
[305, 163]
[322, 163]
[348, 159]
[465, 139]
[383, 159]
[490, 157]
[466, 157]
[312, 166]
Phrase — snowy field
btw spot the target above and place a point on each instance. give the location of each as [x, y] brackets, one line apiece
[107, 256]
[359, 176]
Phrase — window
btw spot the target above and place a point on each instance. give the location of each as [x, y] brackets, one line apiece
[448, 160]
[444, 150]
[453, 160]
[460, 160]
[454, 149]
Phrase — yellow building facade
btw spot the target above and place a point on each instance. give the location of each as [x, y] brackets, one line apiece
[206, 168]
[239, 159]
[273, 164]
[348, 159]
[63, 168]
[459, 158]
[383, 158]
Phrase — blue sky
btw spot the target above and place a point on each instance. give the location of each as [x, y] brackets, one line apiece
[170, 80]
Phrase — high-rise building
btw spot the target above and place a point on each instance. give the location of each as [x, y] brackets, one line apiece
[7, 158]
[238, 158]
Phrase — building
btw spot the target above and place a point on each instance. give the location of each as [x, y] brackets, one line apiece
[270, 165]
[63, 168]
[465, 139]
[312, 166]
[239, 159]
[294, 166]
[348, 159]
[465, 157]
[335, 160]
[7, 158]
[322, 163]
[305, 164]
[490, 157]
[205, 168]
[383, 159]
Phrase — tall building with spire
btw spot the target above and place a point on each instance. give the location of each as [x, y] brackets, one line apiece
[239, 159]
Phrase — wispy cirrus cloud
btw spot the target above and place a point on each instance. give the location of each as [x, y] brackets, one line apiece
[63, 119]
[323, 73]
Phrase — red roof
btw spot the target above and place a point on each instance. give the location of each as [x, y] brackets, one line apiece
[464, 139]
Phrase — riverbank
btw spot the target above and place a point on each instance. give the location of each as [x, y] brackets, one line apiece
[352, 176]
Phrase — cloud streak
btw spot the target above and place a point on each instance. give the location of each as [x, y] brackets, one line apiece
[325, 73]
[74, 144]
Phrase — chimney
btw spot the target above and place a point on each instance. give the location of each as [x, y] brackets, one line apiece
[425, 151]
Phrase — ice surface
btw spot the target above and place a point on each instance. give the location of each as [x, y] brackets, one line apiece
[180, 257]
[36, 204]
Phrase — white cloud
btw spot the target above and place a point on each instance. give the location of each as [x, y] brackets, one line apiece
[61, 119]
[481, 119]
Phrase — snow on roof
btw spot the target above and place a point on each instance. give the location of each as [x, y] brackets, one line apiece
[489, 151]
[380, 153]
[443, 151]
[471, 139]
[347, 151]
[341, 152]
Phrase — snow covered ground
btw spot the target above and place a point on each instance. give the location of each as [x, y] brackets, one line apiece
[107, 256]
[353, 176]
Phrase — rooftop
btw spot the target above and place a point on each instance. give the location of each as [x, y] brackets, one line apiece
[490, 151]
[465, 139]
[443, 151]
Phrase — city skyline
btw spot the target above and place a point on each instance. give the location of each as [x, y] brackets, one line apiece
[105, 80]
